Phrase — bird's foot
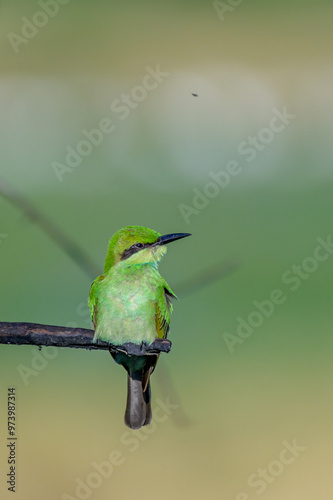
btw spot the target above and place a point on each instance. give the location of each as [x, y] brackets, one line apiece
[143, 349]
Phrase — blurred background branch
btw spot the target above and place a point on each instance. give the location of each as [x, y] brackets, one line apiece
[57, 235]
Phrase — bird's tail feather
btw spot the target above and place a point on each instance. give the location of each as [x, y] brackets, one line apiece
[138, 407]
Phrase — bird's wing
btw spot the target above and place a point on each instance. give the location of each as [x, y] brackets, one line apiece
[92, 301]
[163, 309]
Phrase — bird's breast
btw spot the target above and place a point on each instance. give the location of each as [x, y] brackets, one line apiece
[127, 308]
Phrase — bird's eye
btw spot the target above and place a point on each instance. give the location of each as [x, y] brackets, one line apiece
[138, 245]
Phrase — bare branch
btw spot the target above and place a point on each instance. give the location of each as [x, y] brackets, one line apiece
[208, 276]
[75, 251]
[62, 336]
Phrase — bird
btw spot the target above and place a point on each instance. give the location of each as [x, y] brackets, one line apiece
[131, 302]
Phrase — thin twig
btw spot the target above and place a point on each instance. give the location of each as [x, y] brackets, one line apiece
[75, 251]
[62, 336]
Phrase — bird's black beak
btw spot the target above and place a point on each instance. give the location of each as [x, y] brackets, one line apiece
[167, 238]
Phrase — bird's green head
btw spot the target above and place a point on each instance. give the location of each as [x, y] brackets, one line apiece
[137, 245]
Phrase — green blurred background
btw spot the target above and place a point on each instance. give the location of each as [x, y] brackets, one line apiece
[236, 409]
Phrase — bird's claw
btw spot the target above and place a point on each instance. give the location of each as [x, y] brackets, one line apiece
[143, 349]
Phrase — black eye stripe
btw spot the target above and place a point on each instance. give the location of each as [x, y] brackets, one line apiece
[134, 249]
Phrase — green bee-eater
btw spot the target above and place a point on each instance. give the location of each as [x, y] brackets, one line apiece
[131, 302]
